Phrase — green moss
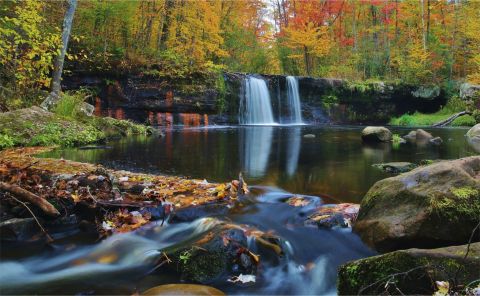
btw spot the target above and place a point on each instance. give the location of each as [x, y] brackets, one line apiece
[411, 271]
[464, 202]
[36, 127]
[204, 266]
[453, 106]
[464, 192]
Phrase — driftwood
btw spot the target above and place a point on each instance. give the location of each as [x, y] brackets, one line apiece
[27, 196]
[451, 119]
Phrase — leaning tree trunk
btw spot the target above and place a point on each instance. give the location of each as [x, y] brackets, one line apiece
[59, 60]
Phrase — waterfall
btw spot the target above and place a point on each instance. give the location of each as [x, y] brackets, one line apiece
[293, 101]
[255, 106]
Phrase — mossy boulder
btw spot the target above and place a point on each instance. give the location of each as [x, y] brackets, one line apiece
[412, 271]
[376, 134]
[431, 206]
[214, 256]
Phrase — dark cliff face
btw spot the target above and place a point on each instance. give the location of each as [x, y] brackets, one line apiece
[324, 100]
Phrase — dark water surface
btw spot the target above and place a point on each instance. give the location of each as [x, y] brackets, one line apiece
[335, 164]
[279, 161]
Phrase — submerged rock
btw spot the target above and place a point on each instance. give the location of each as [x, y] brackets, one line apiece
[328, 216]
[431, 206]
[412, 271]
[183, 289]
[436, 141]
[422, 137]
[376, 134]
[19, 229]
[309, 136]
[395, 167]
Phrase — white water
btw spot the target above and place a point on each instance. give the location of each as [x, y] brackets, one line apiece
[255, 107]
[293, 101]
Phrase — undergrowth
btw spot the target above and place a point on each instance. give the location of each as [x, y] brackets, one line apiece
[454, 105]
[65, 126]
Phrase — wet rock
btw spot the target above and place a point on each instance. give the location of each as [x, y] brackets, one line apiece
[430, 206]
[328, 216]
[419, 136]
[412, 271]
[216, 256]
[376, 134]
[183, 289]
[17, 229]
[395, 167]
[436, 141]
[195, 212]
[309, 136]
[473, 137]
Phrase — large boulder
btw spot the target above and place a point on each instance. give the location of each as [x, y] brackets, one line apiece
[473, 137]
[430, 206]
[473, 134]
[376, 134]
[412, 271]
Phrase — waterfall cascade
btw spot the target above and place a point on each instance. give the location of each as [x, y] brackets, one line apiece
[293, 101]
[255, 106]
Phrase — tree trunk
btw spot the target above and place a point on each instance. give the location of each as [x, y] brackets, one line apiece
[59, 60]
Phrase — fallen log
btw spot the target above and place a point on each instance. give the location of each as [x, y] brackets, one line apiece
[451, 119]
[27, 196]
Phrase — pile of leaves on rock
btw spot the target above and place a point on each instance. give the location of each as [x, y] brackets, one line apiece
[35, 194]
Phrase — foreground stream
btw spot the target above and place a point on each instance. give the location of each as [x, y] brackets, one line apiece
[332, 167]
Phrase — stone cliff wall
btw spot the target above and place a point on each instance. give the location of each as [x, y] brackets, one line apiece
[323, 100]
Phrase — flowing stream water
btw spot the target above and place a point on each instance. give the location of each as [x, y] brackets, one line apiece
[335, 166]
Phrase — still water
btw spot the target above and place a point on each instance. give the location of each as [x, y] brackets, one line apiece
[335, 164]
[278, 161]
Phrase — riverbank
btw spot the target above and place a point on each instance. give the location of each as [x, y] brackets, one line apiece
[36, 127]
[80, 190]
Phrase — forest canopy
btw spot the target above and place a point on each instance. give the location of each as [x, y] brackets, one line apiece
[424, 41]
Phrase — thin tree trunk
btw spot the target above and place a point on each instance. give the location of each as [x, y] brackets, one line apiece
[423, 25]
[60, 59]
[27, 196]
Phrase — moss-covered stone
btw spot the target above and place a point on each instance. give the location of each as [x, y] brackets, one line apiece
[412, 271]
[431, 206]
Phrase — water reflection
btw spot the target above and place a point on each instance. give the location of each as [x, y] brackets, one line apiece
[255, 146]
[293, 150]
[335, 163]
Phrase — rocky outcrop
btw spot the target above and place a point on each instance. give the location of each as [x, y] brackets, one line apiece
[376, 134]
[470, 91]
[431, 206]
[412, 271]
[324, 100]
